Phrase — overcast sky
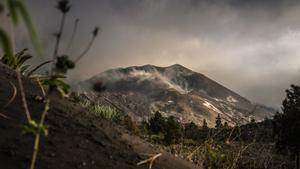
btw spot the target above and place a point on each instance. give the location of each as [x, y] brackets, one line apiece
[249, 46]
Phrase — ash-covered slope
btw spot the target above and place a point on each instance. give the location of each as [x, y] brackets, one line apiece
[77, 139]
[173, 90]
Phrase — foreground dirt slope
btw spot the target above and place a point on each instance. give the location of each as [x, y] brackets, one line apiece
[77, 139]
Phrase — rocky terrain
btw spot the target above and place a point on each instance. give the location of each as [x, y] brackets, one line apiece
[173, 90]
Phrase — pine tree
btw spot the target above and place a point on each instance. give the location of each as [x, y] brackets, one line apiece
[191, 131]
[204, 125]
[287, 124]
[157, 123]
[218, 122]
[204, 134]
[173, 131]
[226, 126]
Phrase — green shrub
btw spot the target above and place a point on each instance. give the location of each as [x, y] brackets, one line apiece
[102, 111]
[105, 112]
[157, 123]
[173, 131]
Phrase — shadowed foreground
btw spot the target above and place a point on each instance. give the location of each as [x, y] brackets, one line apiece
[77, 139]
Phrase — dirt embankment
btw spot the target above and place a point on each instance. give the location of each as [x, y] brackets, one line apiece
[77, 139]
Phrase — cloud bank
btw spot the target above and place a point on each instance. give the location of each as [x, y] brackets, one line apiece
[251, 47]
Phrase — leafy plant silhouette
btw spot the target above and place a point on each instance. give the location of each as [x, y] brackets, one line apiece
[17, 62]
[60, 65]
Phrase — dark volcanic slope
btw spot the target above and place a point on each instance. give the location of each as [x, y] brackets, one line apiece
[176, 91]
[77, 139]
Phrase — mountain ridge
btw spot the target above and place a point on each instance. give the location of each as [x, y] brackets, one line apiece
[175, 90]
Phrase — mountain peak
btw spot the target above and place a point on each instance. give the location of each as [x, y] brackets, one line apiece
[176, 90]
[180, 68]
[177, 66]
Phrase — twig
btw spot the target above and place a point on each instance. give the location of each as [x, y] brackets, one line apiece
[42, 120]
[235, 160]
[4, 116]
[86, 50]
[39, 66]
[19, 78]
[73, 35]
[95, 33]
[149, 160]
[23, 97]
[189, 157]
[38, 135]
[41, 86]
[58, 36]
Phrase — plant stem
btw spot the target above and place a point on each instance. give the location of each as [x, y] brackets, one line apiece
[58, 37]
[39, 66]
[23, 96]
[86, 50]
[73, 35]
[35, 150]
[19, 76]
[38, 135]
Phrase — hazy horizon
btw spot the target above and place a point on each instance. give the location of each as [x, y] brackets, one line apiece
[251, 47]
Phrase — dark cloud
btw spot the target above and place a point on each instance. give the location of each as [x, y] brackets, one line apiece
[250, 46]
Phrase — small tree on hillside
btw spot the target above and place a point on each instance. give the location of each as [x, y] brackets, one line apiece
[191, 131]
[99, 86]
[218, 122]
[173, 131]
[204, 130]
[287, 124]
[204, 125]
[157, 123]
[226, 125]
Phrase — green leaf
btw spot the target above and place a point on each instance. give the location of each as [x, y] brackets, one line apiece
[33, 35]
[24, 68]
[23, 59]
[11, 5]
[1, 8]
[58, 85]
[6, 45]
[19, 54]
[63, 88]
[34, 128]
[16, 7]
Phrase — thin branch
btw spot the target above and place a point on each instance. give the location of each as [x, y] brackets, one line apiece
[235, 160]
[23, 97]
[73, 35]
[35, 150]
[86, 50]
[39, 66]
[38, 135]
[4, 116]
[41, 86]
[58, 36]
[189, 157]
[149, 160]
[20, 82]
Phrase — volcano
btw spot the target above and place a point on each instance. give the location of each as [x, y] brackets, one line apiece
[174, 91]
